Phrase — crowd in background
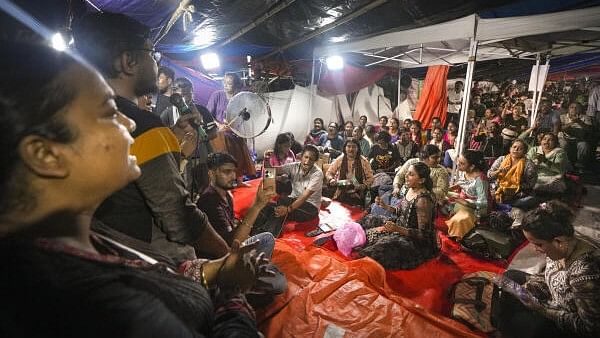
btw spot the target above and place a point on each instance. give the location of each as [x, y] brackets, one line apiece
[118, 217]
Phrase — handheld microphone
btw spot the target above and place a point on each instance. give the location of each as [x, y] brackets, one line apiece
[177, 100]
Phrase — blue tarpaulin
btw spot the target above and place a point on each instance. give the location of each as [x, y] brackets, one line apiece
[203, 85]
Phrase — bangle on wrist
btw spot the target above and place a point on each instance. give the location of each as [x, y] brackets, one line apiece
[204, 282]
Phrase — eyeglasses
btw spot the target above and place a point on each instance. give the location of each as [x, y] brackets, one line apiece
[156, 55]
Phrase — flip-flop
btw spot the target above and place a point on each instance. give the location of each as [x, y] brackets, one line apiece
[322, 240]
[313, 233]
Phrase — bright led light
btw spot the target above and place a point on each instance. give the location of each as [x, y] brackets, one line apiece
[336, 39]
[58, 42]
[210, 61]
[335, 62]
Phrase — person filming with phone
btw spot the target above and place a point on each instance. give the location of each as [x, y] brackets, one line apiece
[564, 300]
[217, 203]
[303, 203]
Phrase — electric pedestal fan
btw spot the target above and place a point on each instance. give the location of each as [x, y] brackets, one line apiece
[248, 115]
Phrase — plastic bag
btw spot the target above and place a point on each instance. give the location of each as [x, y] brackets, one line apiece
[349, 236]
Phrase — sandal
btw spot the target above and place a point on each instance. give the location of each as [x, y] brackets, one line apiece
[322, 240]
[313, 233]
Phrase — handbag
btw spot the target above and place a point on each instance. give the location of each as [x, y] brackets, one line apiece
[488, 243]
[473, 299]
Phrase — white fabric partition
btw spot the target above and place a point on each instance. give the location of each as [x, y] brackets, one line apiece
[366, 102]
[290, 112]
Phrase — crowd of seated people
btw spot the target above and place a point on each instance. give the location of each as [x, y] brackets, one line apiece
[82, 206]
[503, 162]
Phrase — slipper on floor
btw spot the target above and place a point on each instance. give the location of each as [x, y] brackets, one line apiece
[322, 240]
[314, 233]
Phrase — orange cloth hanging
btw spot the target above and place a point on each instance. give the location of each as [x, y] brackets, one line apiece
[434, 97]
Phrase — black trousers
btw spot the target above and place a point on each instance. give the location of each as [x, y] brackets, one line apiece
[267, 222]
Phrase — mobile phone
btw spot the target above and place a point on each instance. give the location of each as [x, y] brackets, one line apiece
[514, 288]
[269, 178]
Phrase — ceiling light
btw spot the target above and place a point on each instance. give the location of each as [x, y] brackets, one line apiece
[335, 62]
[210, 61]
[58, 42]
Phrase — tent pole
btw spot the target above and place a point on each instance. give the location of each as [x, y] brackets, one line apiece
[311, 93]
[539, 98]
[535, 91]
[399, 86]
[464, 109]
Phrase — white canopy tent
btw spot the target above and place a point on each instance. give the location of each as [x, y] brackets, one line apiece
[449, 42]
[463, 40]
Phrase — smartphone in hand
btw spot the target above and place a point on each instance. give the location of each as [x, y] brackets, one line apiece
[269, 178]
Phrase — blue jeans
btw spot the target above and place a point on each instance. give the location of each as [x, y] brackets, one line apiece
[266, 243]
[276, 284]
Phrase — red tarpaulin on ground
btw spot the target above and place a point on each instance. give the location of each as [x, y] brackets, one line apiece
[434, 97]
[325, 294]
[359, 296]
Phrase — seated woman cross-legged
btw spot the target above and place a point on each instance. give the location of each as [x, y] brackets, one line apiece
[351, 174]
[66, 148]
[430, 155]
[551, 164]
[470, 195]
[412, 238]
[562, 301]
[513, 177]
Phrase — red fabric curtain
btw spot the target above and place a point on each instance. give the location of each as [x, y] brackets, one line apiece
[350, 79]
[434, 97]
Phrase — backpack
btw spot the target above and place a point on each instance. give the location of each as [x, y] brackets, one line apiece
[489, 243]
[473, 298]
